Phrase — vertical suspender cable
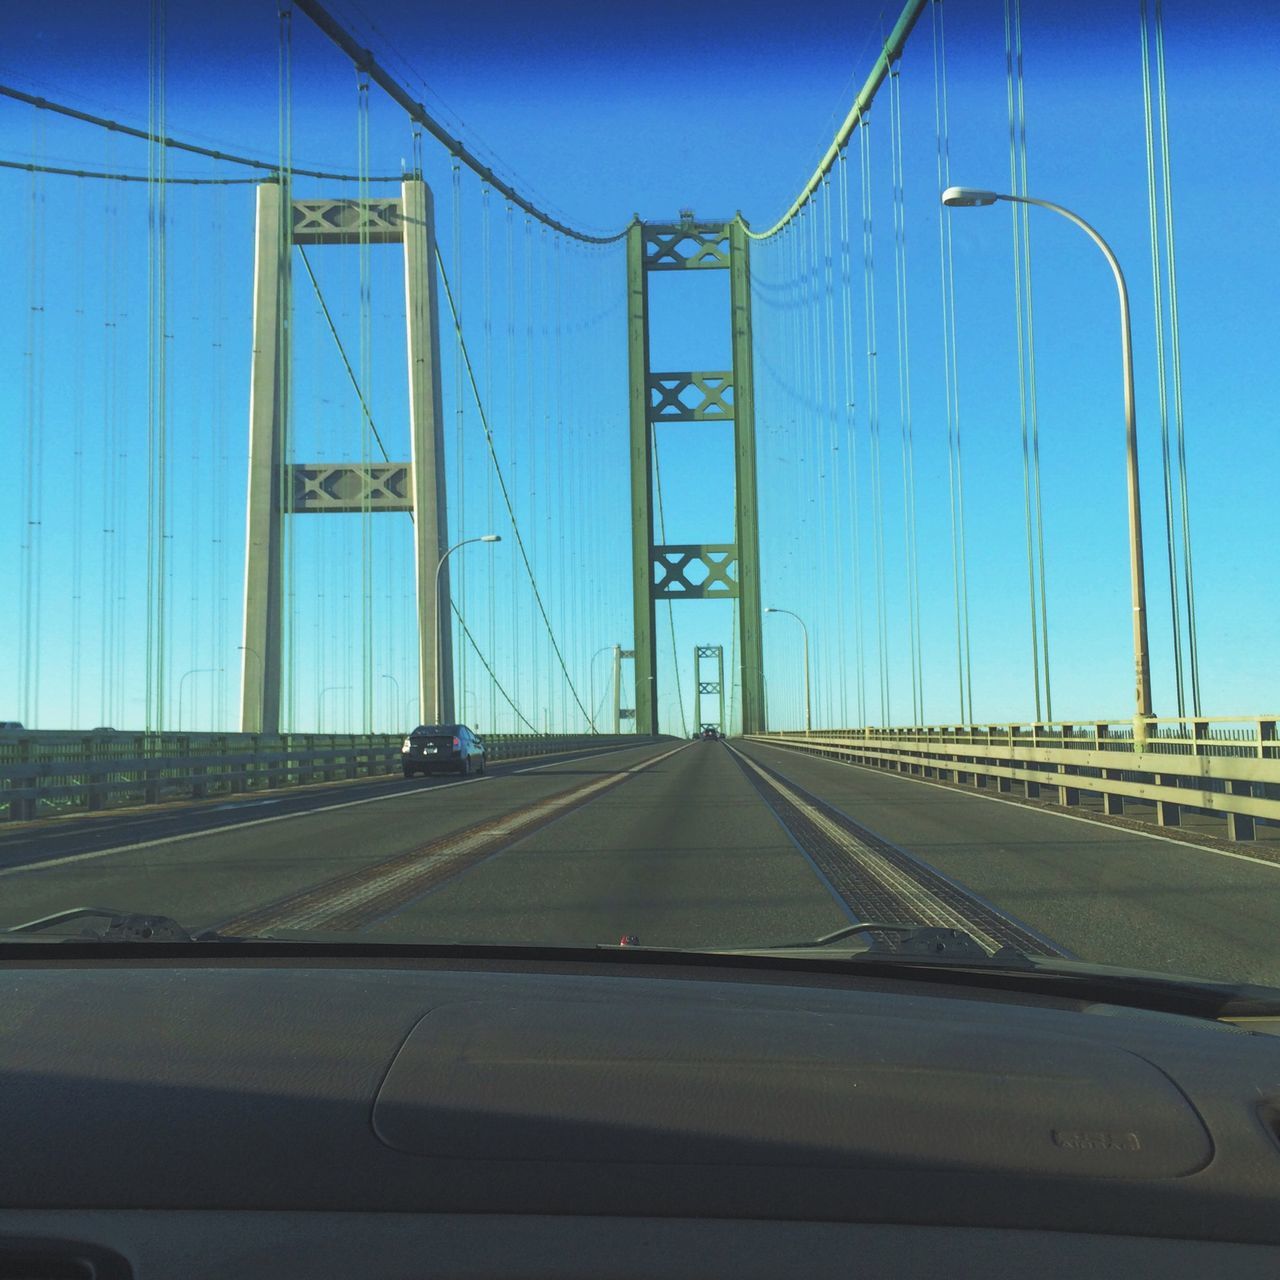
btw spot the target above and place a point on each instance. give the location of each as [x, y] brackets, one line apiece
[33, 470]
[487, 270]
[562, 513]
[284, 388]
[1020, 227]
[904, 392]
[366, 422]
[1031, 363]
[1157, 291]
[77, 463]
[513, 437]
[1175, 341]
[851, 437]
[108, 677]
[531, 485]
[545, 288]
[458, 565]
[873, 415]
[220, 459]
[832, 456]
[955, 470]
[157, 451]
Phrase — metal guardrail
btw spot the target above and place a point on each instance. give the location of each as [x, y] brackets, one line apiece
[1229, 767]
[46, 773]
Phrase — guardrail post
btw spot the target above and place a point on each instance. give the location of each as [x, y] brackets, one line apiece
[151, 786]
[1168, 812]
[23, 808]
[1068, 796]
[1240, 826]
[1112, 804]
[1266, 737]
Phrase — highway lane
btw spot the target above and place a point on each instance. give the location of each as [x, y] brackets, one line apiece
[205, 876]
[685, 845]
[1107, 894]
[684, 855]
[50, 838]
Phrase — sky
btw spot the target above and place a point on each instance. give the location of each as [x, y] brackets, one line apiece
[598, 116]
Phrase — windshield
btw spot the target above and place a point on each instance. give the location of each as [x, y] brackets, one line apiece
[525, 481]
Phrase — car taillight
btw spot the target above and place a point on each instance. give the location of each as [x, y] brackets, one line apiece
[456, 743]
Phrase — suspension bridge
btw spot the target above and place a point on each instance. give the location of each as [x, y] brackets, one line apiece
[592, 489]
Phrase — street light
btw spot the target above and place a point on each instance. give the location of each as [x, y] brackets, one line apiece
[439, 642]
[244, 678]
[970, 198]
[808, 708]
[592, 678]
[333, 688]
[395, 682]
[195, 671]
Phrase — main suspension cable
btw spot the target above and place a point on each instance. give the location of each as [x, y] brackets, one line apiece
[163, 140]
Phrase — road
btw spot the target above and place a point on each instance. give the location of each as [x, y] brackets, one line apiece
[690, 844]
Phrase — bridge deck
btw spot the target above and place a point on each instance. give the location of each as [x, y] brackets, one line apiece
[683, 844]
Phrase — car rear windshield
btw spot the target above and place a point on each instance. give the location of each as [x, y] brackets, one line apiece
[433, 730]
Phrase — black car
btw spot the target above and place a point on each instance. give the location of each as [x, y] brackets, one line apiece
[442, 748]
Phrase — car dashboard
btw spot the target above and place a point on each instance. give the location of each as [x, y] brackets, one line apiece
[236, 1114]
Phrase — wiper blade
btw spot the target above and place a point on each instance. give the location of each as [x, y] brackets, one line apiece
[122, 926]
[911, 941]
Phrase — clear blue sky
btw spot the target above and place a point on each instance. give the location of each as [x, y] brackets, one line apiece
[601, 115]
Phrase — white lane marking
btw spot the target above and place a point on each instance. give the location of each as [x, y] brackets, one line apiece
[533, 768]
[226, 828]
[1050, 813]
[27, 867]
[919, 899]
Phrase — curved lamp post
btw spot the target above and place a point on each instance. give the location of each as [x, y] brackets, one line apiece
[441, 617]
[808, 707]
[971, 197]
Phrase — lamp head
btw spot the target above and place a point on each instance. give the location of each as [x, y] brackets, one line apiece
[491, 537]
[968, 198]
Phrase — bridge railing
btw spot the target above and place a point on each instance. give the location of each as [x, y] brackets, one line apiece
[48, 773]
[1221, 766]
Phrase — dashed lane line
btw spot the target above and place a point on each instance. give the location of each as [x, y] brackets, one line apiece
[361, 897]
[225, 828]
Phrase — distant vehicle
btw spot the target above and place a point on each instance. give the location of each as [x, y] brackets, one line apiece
[10, 726]
[442, 748]
[709, 734]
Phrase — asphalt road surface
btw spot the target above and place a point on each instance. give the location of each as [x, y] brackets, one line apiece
[680, 843]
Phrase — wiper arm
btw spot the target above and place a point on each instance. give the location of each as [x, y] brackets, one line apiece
[911, 941]
[123, 926]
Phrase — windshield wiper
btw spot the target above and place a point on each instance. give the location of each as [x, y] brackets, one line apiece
[122, 926]
[909, 939]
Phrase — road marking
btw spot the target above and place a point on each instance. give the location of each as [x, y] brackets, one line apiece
[1052, 813]
[918, 899]
[68, 859]
[358, 898]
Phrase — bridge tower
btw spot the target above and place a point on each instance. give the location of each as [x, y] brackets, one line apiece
[713, 656]
[721, 570]
[279, 487]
